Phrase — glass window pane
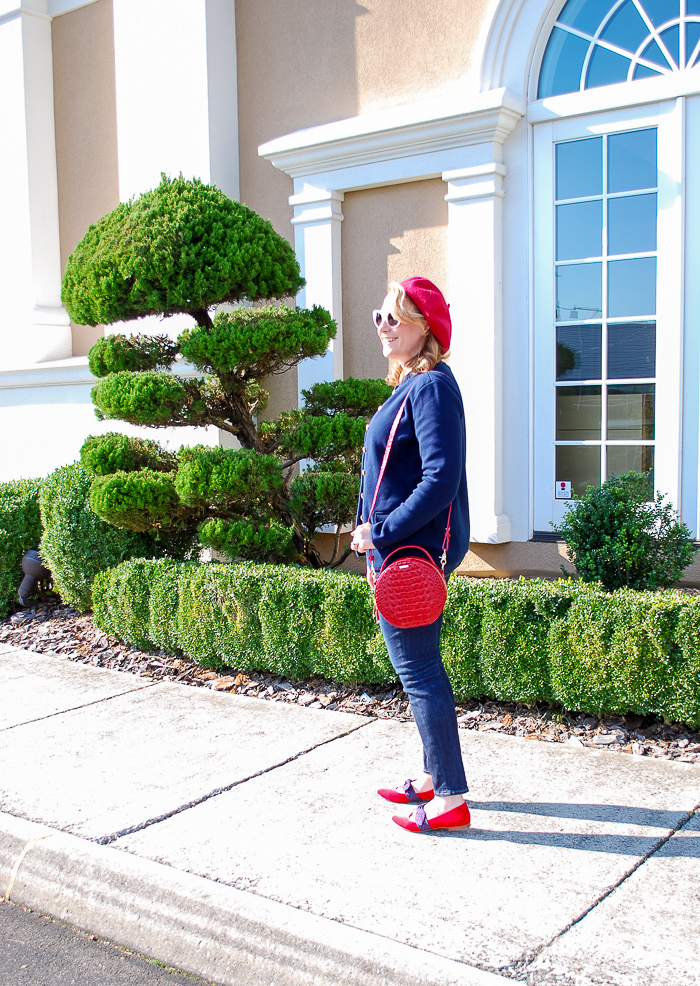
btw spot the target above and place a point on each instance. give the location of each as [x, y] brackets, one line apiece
[579, 352]
[632, 458]
[692, 36]
[632, 160]
[631, 411]
[580, 168]
[578, 414]
[632, 287]
[625, 28]
[580, 230]
[578, 465]
[606, 67]
[585, 15]
[654, 54]
[580, 291]
[660, 11]
[643, 72]
[632, 224]
[631, 350]
[562, 64]
[671, 38]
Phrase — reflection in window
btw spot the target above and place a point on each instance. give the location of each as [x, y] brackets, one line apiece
[578, 413]
[579, 352]
[602, 42]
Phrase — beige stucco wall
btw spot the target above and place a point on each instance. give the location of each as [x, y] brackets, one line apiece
[389, 234]
[86, 129]
[306, 62]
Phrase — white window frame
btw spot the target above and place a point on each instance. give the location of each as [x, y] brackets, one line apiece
[668, 117]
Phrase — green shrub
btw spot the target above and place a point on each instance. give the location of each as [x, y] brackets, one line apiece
[566, 642]
[104, 455]
[181, 247]
[614, 535]
[20, 529]
[76, 544]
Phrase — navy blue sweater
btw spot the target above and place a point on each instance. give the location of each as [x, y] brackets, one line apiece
[425, 472]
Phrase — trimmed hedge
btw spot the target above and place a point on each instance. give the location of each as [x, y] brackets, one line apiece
[76, 544]
[20, 529]
[565, 642]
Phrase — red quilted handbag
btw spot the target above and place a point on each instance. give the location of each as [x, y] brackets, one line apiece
[410, 592]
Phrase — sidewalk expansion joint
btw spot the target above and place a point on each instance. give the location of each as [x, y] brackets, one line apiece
[518, 970]
[104, 840]
[76, 708]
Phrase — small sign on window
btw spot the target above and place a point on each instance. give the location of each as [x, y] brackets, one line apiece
[562, 490]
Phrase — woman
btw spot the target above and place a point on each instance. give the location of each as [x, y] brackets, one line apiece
[424, 476]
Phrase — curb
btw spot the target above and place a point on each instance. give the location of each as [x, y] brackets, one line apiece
[220, 934]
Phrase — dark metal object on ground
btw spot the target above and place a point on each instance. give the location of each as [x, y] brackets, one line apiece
[34, 572]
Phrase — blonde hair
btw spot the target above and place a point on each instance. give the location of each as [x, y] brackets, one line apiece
[405, 310]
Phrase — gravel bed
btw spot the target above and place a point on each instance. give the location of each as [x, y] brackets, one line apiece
[55, 629]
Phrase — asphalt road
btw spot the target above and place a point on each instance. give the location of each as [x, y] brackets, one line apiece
[38, 951]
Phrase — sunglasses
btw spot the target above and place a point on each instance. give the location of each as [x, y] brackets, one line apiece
[379, 318]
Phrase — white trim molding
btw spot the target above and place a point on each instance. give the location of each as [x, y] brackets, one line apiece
[474, 199]
[401, 143]
[317, 218]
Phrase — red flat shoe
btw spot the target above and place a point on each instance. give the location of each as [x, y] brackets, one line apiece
[406, 796]
[457, 819]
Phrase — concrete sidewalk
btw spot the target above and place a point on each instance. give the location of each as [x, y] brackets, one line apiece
[243, 841]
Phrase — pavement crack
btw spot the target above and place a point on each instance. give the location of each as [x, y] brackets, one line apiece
[518, 970]
[104, 840]
[76, 708]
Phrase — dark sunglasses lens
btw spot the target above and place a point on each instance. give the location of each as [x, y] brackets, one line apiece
[391, 321]
[377, 316]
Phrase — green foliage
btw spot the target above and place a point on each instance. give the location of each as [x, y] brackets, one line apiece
[566, 642]
[324, 496]
[113, 452]
[149, 398]
[20, 529]
[262, 341]
[76, 544]
[243, 539]
[182, 247]
[218, 477]
[111, 354]
[614, 535]
[136, 501]
[357, 398]
[321, 437]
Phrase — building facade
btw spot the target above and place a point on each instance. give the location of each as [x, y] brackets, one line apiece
[536, 159]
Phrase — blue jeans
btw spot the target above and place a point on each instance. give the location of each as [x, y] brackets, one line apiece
[415, 656]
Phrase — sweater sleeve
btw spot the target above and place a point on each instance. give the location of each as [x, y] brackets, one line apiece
[437, 420]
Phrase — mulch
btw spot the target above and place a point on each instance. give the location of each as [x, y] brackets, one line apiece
[55, 629]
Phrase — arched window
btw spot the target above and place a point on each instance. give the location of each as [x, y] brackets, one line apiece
[601, 42]
[616, 245]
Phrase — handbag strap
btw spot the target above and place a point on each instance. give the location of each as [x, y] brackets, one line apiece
[405, 547]
[387, 450]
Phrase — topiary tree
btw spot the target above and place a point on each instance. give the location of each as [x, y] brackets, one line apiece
[186, 247]
[621, 535]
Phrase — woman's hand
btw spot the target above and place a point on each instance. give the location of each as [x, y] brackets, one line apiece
[360, 539]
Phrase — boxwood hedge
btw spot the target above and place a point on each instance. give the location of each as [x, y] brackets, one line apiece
[20, 529]
[565, 642]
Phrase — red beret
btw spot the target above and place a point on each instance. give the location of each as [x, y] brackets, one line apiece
[435, 310]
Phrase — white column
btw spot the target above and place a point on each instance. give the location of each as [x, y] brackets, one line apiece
[34, 326]
[317, 219]
[177, 103]
[474, 200]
